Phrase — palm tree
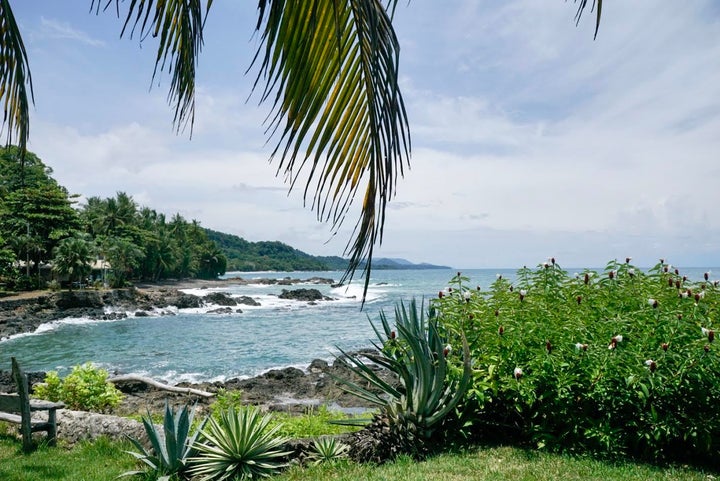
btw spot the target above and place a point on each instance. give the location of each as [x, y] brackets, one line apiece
[73, 258]
[330, 70]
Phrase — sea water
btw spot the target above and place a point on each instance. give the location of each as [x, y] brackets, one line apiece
[196, 345]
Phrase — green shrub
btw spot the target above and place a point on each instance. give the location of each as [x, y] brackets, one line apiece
[238, 445]
[411, 412]
[617, 362]
[224, 400]
[85, 388]
[172, 447]
[314, 422]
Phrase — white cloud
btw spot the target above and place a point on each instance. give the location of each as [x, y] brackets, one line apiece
[530, 138]
[56, 29]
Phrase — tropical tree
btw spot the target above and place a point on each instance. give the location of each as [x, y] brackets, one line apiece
[124, 257]
[328, 67]
[73, 257]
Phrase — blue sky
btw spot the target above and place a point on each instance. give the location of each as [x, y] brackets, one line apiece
[530, 139]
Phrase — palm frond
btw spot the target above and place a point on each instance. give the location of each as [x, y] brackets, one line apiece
[15, 80]
[331, 70]
[179, 26]
[581, 8]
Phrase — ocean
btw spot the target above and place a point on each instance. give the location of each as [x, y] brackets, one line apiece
[194, 345]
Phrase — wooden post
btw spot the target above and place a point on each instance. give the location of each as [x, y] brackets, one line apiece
[21, 381]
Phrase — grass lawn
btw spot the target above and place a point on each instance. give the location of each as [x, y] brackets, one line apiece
[98, 461]
[103, 461]
[496, 464]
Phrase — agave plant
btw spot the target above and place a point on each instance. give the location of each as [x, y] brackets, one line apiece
[171, 447]
[411, 412]
[326, 449]
[238, 445]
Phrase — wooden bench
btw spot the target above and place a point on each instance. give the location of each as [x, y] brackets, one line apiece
[17, 409]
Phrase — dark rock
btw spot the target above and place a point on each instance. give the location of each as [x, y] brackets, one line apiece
[221, 299]
[188, 301]
[142, 314]
[247, 301]
[221, 310]
[318, 365]
[302, 295]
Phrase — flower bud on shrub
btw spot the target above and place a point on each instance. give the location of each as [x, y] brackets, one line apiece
[670, 283]
[680, 317]
[501, 330]
[706, 276]
[497, 312]
[611, 274]
[653, 303]
[651, 364]
[664, 346]
[627, 260]
[548, 347]
[697, 297]
[587, 278]
[677, 272]
[677, 283]
[706, 348]
[392, 335]
[517, 373]
[579, 299]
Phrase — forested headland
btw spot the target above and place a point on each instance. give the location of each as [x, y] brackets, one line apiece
[48, 238]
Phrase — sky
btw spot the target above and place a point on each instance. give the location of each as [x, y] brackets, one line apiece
[529, 138]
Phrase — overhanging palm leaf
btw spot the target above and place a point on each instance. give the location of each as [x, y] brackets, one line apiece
[331, 69]
[15, 79]
[179, 26]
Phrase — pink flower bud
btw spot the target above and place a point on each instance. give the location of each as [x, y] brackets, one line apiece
[697, 297]
[447, 350]
[664, 346]
[677, 283]
[665, 268]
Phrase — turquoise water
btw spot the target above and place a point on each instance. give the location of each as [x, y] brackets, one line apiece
[194, 345]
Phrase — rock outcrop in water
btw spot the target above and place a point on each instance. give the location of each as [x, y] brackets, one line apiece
[27, 313]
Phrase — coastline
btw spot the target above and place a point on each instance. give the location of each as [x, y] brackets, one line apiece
[27, 311]
[286, 389]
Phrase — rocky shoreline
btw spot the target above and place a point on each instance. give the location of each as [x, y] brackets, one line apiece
[24, 313]
[288, 389]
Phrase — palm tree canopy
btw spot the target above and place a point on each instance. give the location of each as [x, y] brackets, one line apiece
[329, 68]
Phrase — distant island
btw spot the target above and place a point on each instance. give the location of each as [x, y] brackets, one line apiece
[243, 255]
